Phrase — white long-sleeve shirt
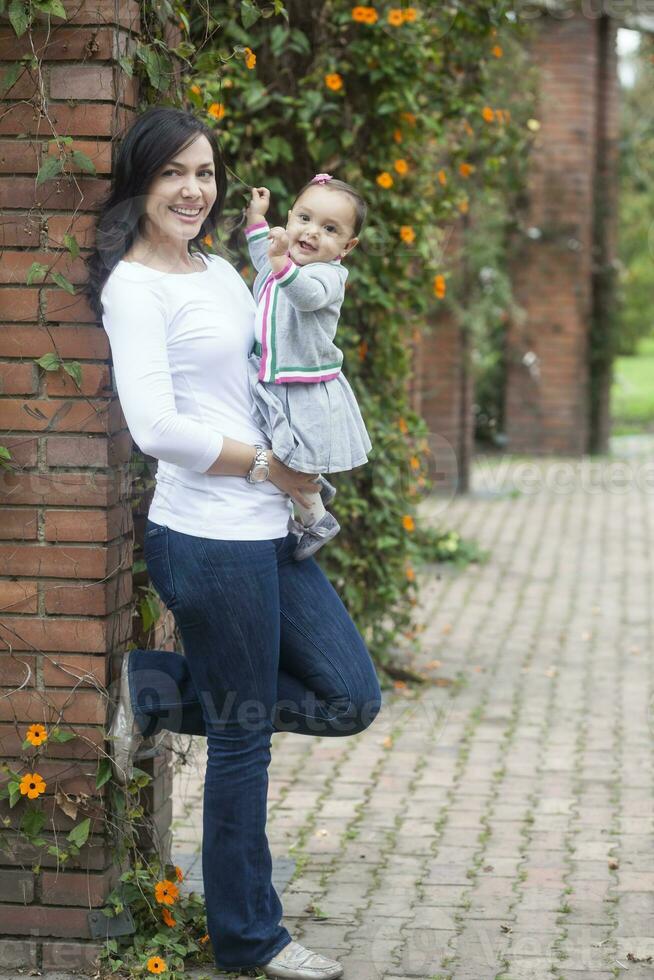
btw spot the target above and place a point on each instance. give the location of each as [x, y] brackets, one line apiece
[180, 345]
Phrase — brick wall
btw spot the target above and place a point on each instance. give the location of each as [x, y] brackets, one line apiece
[66, 528]
[548, 400]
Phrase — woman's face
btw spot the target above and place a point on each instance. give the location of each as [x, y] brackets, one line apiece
[182, 193]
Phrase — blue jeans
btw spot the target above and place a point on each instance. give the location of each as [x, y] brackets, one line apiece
[268, 647]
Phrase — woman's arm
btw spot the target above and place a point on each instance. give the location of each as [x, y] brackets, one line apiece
[236, 458]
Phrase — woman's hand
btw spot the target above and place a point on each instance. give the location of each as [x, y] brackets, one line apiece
[259, 204]
[296, 485]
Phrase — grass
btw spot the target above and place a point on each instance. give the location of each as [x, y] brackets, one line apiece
[632, 395]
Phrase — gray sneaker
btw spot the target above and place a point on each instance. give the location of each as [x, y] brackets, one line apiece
[316, 535]
[296, 962]
[327, 491]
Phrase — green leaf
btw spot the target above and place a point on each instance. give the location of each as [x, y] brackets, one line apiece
[157, 67]
[53, 7]
[32, 822]
[49, 362]
[104, 772]
[56, 735]
[62, 281]
[83, 162]
[19, 16]
[74, 369]
[250, 13]
[10, 76]
[14, 792]
[127, 64]
[36, 270]
[51, 167]
[71, 244]
[79, 834]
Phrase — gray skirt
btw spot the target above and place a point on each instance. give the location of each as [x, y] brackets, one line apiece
[313, 427]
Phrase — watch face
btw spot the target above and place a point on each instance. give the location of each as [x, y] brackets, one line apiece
[259, 474]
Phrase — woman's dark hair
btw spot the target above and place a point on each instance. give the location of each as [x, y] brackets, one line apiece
[360, 206]
[153, 139]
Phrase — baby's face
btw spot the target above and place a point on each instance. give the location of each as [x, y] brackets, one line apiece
[320, 226]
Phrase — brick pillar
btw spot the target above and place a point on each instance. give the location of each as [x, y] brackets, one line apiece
[548, 378]
[65, 519]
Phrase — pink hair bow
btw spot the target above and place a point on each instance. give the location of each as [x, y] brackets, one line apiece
[321, 178]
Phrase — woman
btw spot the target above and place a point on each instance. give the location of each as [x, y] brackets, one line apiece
[268, 645]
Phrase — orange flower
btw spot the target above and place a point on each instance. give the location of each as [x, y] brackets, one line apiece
[166, 892]
[207, 240]
[157, 965]
[497, 51]
[204, 939]
[250, 58]
[395, 17]
[397, 135]
[36, 734]
[408, 523]
[465, 169]
[407, 234]
[384, 179]
[371, 15]
[399, 685]
[439, 286]
[401, 166]
[245, 271]
[414, 463]
[363, 350]
[402, 426]
[410, 15]
[409, 117]
[196, 90]
[463, 206]
[488, 114]
[32, 785]
[442, 176]
[167, 917]
[364, 15]
[216, 110]
[410, 574]
[334, 81]
[179, 873]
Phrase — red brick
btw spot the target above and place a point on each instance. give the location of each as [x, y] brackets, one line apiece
[94, 855]
[86, 745]
[70, 669]
[30, 920]
[70, 956]
[99, 153]
[18, 953]
[62, 44]
[18, 597]
[16, 886]
[71, 414]
[19, 229]
[85, 599]
[16, 265]
[88, 525]
[125, 13]
[85, 193]
[62, 307]
[94, 635]
[86, 489]
[23, 450]
[82, 226]
[70, 560]
[77, 888]
[84, 82]
[19, 523]
[80, 343]
[16, 670]
[19, 304]
[95, 380]
[56, 819]
[88, 450]
[20, 156]
[17, 378]
[85, 707]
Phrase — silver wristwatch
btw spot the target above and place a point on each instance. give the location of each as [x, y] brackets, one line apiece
[260, 469]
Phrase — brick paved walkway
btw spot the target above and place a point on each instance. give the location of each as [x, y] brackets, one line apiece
[501, 827]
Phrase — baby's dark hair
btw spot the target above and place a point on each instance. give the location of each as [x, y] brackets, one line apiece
[360, 206]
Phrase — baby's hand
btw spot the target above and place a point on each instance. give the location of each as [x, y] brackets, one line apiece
[278, 242]
[259, 202]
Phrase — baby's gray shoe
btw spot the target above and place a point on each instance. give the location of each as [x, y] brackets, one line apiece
[327, 491]
[316, 535]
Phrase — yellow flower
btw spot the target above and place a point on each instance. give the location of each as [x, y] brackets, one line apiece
[207, 240]
[384, 179]
[196, 90]
[410, 15]
[166, 892]
[167, 917]
[410, 574]
[157, 965]
[402, 426]
[250, 58]
[488, 114]
[397, 135]
[179, 873]
[204, 939]
[408, 523]
[216, 110]
[463, 206]
[334, 81]
[401, 166]
[32, 785]
[439, 286]
[465, 169]
[395, 17]
[497, 51]
[414, 463]
[442, 176]
[407, 234]
[36, 734]
[533, 125]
